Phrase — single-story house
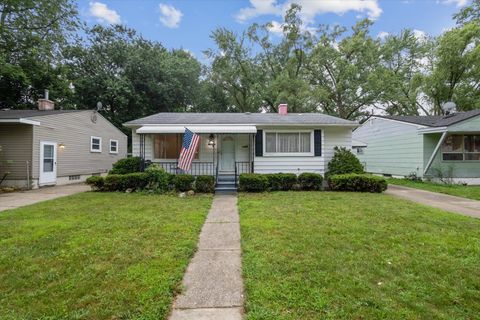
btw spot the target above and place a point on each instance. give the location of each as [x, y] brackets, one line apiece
[434, 147]
[235, 143]
[48, 147]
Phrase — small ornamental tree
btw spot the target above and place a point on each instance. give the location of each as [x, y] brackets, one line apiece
[343, 162]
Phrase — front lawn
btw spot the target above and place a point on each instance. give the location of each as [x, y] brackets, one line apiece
[471, 192]
[97, 255]
[326, 255]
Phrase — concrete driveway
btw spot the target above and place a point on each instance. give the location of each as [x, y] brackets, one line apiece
[446, 202]
[14, 200]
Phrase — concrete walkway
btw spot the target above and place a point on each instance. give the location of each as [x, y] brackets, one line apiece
[14, 200]
[213, 286]
[446, 202]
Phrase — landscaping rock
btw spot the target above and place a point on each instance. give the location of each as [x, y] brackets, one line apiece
[182, 194]
[190, 193]
[129, 190]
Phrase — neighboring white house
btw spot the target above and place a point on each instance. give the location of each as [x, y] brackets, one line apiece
[235, 143]
[49, 147]
[446, 147]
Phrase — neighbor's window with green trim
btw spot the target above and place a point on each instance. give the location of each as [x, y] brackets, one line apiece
[461, 147]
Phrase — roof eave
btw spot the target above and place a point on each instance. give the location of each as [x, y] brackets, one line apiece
[20, 120]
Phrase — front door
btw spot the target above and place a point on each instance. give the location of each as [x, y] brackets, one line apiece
[48, 163]
[227, 154]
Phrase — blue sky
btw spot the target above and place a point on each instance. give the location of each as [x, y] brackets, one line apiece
[188, 24]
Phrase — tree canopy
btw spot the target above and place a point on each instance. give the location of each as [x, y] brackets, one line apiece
[336, 70]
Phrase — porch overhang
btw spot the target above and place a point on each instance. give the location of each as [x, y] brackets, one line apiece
[197, 129]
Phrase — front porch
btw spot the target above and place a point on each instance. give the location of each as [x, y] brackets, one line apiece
[222, 155]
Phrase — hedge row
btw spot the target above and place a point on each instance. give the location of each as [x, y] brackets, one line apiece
[357, 182]
[254, 182]
[153, 179]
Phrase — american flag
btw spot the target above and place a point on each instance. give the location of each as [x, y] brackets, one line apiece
[189, 147]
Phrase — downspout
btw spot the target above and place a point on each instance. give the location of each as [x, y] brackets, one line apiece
[440, 142]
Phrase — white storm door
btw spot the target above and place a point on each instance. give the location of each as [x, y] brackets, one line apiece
[227, 157]
[48, 163]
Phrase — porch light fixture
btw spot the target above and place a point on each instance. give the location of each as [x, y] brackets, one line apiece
[61, 146]
[211, 140]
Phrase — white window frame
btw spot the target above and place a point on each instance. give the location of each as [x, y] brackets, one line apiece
[91, 144]
[116, 144]
[289, 154]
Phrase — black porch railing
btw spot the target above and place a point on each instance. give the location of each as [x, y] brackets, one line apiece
[197, 169]
[242, 167]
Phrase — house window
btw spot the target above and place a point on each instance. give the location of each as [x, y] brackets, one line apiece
[95, 144]
[460, 147]
[288, 143]
[168, 146]
[113, 146]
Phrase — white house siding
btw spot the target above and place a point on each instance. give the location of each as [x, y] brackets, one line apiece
[331, 137]
[74, 131]
[393, 147]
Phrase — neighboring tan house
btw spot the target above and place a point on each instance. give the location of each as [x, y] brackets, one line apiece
[48, 147]
[435, 147]
[235, 143]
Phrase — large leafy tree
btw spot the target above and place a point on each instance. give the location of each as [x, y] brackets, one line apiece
[284, 63]
[130, 76]
[234, 71]
[344, 71]
[405, 61]
[456, 73]
[32, 33]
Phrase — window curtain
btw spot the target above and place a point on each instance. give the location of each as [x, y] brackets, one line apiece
[288, 142]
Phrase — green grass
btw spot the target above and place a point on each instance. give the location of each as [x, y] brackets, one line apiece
[326, 255]
[470, 192]
[97, 255]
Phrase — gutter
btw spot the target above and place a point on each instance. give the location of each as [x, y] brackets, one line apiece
[351, 125]
[20, 120]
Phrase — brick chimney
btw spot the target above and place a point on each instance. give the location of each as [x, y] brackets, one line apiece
[283, 109]
[45, 104]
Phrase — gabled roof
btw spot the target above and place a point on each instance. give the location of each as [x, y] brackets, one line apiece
[172, 118]
[435, 121]
[21, 114]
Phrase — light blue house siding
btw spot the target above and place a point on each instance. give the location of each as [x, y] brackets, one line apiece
[393, 147]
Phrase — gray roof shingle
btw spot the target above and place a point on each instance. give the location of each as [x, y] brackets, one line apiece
[436, 121]
[240, 118]
[18, 114]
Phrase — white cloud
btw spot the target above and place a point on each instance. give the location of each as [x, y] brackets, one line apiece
[276, 28]
[170, 16]
[103, 13]
[382, 35]
[310, 8]
[259, 8]
[420, 35]
[458, 3]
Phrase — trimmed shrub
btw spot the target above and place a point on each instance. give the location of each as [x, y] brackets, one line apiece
[343, 162]
[183, 182]
[205, 184]
[96, 182]
[310, 181]
[127, 165]
[122, 182]
[281, 181]
[357, 182]
[158, 178]
[253, 182]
